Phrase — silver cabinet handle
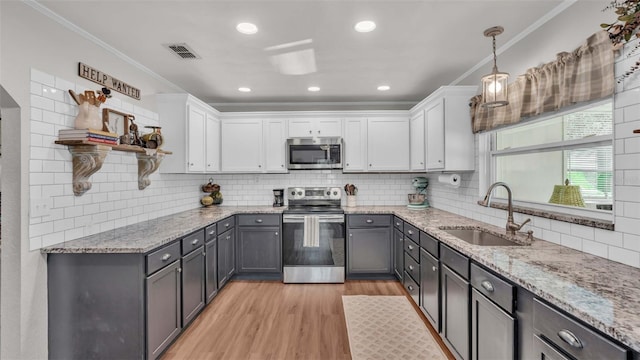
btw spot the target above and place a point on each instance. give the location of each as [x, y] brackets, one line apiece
[318, 131]
[310, 131]
[410, 232]
[179, 270]
[369, 164]
[433, 268]
[410, 247]
[568, 337]
[195, 241]
[439, 161]
[191, 164]
[347, 164]
[259, 221]
[369, 221]
[228, 237]
[281, 165]
[276, 234]
[208, 165]
[212, 232]
[397, 224]
[166, 257]
[487, 285]
[204, 254]
[259, 166]
[226, 225]
[410, 287]
[350, 235]
[411, 267]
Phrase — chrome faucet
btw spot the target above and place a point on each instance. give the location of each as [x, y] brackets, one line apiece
[512, 227]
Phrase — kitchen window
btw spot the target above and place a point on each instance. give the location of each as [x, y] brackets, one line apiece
[536, 158]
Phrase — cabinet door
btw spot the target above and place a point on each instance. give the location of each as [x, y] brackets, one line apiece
[301, 128]
[430, 288]
[328, 127]
[369, 251]
[259, 249]
[544, 351]
[196, 143]
[435, 135]
[492, 330]
[231, 255]
[163, 309]
[192, 284]
[455, 313]
[275, 143]
[211, 270]
[416, 139]
[241, 145]
[212, 143]
[226, 260]
[355, 144]
[398, 253]
[388, 144]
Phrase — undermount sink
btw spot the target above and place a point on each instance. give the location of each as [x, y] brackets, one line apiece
[480, 237]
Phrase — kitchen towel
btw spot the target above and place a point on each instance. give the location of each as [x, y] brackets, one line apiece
[311, 235]
[452, 180]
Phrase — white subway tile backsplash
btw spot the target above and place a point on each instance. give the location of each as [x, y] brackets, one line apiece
[581, 231]
[631, 242]
[571, 241]
[624, 256]
[595, 248]
[627, 161]
[628, 225]
[608, 237]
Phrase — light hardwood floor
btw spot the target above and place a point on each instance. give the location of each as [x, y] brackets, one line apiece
[271, 320]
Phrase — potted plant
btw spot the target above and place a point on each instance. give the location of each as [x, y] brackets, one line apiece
[624, 29]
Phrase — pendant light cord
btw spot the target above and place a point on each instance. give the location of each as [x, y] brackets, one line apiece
[495, 66]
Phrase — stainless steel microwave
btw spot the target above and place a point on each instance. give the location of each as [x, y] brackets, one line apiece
[314, 153]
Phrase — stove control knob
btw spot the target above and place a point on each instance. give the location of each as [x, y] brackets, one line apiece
[299, 193]
[293, 193]
[328, 193]
[335, 193]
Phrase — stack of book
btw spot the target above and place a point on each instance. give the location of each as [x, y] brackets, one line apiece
[97, 136]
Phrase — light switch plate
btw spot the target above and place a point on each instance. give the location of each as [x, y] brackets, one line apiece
[41, 207]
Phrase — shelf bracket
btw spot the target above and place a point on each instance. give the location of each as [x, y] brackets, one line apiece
[147, 165]
[87, 159]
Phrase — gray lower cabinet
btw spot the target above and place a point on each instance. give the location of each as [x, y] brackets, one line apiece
[430, 288]
[369, 245]
[259, 244]
[163, 308]
[492, 330]
[211, 269]
[398, 253]
[455, 313]
[226, 257]
[543, 351]
[193, 284]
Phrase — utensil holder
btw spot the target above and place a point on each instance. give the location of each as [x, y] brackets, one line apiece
[351, 201]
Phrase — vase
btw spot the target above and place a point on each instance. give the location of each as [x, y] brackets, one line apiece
[88, 117]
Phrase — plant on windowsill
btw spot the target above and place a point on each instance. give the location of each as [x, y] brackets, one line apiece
[624, 29]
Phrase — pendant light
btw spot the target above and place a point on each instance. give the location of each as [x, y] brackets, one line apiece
[494, 85]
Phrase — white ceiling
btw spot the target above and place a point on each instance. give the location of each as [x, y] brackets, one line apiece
[417, 46]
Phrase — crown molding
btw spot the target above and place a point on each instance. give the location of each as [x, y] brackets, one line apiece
[85, 34]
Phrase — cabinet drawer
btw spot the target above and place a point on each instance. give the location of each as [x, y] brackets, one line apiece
[411, 232]
[369, 220]
[455, 261]
[210, 232]
[572, 337]
[430, 244]
[412, 267]
[412, 287]
[542, 350]
[192, 242]
[412, 249]
[493, 287]
[398, 223]
[226, 224]
[163, 257]
[259, 220]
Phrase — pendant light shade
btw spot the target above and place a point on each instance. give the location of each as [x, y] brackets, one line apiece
[494, 85]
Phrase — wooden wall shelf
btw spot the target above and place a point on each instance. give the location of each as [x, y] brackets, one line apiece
[88, 156]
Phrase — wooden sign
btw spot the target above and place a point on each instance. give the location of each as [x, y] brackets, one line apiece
[108, 81]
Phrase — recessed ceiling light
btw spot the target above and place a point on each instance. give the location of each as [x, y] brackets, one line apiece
[384, 87]
[244, 89]
[247, 28]
[313, 88]
[365, 26]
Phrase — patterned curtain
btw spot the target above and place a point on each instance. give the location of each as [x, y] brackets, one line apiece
[585, 74]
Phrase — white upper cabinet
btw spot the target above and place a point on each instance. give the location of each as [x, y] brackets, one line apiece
[355, 145]
[448, 136]
[388, 144]
[416, 140]
[315, 127]
[275, 142]
[191, 131]
[241, 145]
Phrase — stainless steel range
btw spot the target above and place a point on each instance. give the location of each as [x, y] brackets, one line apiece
[313, 237]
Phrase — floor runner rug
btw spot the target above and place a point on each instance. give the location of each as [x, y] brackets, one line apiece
[387, 327]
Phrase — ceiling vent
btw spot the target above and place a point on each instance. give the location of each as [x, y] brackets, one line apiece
[182, 50]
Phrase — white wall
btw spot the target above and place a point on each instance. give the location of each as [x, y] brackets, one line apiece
[621, 245]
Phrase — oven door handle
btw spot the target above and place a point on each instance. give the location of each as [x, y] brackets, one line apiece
[290, 218]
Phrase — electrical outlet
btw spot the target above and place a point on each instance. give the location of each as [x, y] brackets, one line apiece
[41, 207]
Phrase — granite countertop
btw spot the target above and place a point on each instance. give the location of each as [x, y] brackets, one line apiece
[603, 293]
